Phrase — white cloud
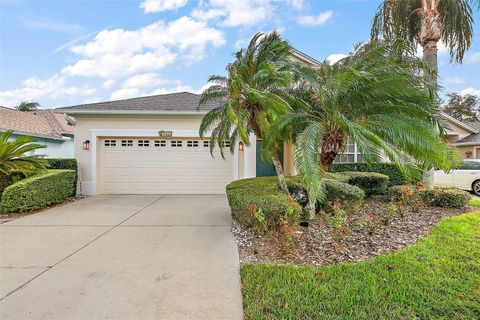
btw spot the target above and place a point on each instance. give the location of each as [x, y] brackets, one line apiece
[317, 20]
[234, 13]
[455, 80]
[144, 80]
[296, 4]
[71, 43]
[473, 58]
[334, 58]
[125, 93]
[43, 90]
[109, 84]
[116, 53]
[150, 6]
[35, 22]
[470, 90]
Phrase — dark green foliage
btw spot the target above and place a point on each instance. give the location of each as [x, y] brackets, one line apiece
[369, 182]
[445, 198]
[437, 278]
[38, 191]
[389, 169]
[349, 196]
[259, 202]
[62, 163]
[5, 181]
[394, 193]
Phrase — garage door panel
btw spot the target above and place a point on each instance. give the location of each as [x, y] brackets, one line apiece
[166, 170]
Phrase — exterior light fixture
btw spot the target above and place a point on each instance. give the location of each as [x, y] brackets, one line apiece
[86, 145]
[240, 146]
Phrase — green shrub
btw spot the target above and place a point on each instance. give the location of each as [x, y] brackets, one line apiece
[65, 163]
[38, 191]
[445, 197]
[259, 202]
[62, 163]
[336, 176]
[386, 168]
[369, 182]
[394, 193]
[349, 196]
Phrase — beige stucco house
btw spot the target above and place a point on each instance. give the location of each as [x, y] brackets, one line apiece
[465, 137]
[151, 145]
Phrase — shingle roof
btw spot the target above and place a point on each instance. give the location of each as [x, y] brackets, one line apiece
[473, 138]
[44, 123]
[174, 102]
[475, 125]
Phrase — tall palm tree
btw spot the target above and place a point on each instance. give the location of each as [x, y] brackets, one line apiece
[28, 106]
[253, 95]
[375, 98]
[426, 22]
[13, 155]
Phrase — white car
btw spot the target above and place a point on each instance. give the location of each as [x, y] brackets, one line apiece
[466, 177]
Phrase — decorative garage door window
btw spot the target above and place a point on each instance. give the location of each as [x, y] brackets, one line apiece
[110, 143]
[192, 143]
[176, 143]
[206, 144]
[160, 143]
[143, 143]
[127, 143]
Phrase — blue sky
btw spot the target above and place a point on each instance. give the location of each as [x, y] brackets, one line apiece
[62, 53]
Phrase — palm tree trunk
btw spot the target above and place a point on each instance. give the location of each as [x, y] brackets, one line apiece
[280, 175]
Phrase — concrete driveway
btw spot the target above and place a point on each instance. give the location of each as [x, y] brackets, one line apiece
[122, 257]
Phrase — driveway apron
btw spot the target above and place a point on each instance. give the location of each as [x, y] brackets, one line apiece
[122, 257]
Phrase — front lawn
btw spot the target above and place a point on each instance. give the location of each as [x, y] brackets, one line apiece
[437, 278]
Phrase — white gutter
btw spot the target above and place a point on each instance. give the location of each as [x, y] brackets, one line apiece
[132, 112]
[465, 144]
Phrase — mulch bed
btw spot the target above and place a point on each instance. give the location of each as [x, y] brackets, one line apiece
[319, 243]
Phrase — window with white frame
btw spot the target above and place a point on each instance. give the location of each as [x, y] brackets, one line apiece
[176, 143]
[192, 143]
[110, 143]
[350, 153]
[143, 143]
[160, 143]
[127, 143]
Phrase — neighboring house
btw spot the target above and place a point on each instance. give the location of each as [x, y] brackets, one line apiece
[45, 127]
[465, 137]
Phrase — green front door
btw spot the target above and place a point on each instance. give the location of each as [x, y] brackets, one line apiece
[265, 168]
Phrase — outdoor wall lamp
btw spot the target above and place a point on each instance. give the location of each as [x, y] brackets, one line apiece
[86, 145]
[240, 146]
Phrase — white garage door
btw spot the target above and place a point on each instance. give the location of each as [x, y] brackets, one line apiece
[161, 166]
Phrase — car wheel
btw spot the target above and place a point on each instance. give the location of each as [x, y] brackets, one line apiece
[476, 187]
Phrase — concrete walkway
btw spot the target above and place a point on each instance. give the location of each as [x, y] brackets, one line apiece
[122, 257]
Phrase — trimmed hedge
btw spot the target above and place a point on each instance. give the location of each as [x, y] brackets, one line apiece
[259, 202]
[445, 197]
[369, 182]
[349, 196]
[436, 197]
[38, 191]
[62, 163]
[386, 168]
[5, 181]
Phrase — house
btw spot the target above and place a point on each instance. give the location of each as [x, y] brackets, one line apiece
[45, 127]
[152, 145]
[465, 137]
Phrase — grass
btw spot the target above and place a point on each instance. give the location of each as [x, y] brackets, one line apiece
[437, 278]
[474, 202]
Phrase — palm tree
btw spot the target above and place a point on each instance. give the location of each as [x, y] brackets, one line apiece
[27, 106]
[375, 98]
[426, 22]
[13, 155]
[253, 95]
